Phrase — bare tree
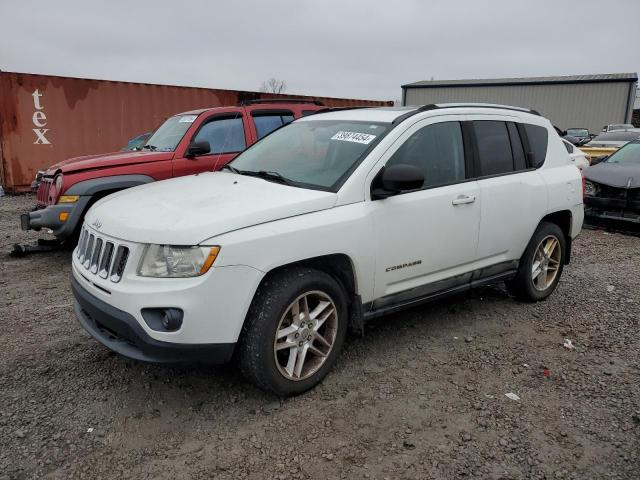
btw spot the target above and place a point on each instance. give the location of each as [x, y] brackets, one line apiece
[273, 85]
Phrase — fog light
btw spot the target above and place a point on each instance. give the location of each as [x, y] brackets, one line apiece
[63, 216]
[163, 319]
[171, 319]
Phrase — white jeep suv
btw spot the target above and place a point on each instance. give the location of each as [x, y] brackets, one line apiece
[327, 222]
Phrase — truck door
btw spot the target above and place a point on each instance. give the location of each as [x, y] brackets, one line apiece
[227, 134]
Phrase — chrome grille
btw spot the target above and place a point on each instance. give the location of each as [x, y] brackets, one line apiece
[102, 257]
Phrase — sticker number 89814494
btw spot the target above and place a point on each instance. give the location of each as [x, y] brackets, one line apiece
[353, 137]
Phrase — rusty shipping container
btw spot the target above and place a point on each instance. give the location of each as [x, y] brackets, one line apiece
[45, 119]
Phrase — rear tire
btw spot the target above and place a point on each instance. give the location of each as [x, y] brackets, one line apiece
[541, 264]
[294, 331]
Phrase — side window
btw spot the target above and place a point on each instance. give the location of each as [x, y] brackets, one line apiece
[519, 159]
[494, 147]
[437, 150]
[308, 112]
[537, 137]
[267, 123]
[225, 135]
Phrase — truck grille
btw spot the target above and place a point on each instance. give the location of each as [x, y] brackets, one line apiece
[101, 257]
[42, 197]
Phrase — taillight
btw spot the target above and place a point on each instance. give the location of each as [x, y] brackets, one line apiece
[583, 184]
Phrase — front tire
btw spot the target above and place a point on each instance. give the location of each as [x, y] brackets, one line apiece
[541, 265]
[294, 331]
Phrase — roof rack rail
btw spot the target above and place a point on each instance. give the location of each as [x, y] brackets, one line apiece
[436, 106]
[337, 109]
[278, 100]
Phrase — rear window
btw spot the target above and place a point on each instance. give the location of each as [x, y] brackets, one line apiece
[494, 147]
[267, 123]
[538, 138]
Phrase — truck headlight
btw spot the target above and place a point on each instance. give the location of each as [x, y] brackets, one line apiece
[173, 261]
[58, 182]
[590, 188]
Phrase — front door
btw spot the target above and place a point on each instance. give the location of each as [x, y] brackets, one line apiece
[226, 136]
[426, 240]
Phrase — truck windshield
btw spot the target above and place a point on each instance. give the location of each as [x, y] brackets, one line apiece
[167, 137]
[313, 154]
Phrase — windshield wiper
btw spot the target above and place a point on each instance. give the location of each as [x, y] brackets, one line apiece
[150, 147]
[230, 168]
[271, 176]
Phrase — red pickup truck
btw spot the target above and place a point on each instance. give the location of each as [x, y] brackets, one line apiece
[187, 143]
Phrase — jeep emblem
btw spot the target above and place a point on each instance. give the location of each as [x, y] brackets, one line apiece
[97, 223]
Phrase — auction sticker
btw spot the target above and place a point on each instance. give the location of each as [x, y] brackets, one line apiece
[187, 118]
[353, 137]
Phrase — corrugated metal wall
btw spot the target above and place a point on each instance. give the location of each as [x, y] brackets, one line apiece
[46, 119]
[589, 105]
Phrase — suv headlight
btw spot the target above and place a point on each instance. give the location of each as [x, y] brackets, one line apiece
[590, 188]
[173, 261]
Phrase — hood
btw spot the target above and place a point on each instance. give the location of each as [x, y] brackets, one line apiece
[109, 160]
[614, 174]
[189, 210]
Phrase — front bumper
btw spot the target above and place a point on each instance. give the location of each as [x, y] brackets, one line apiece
[49, 217]
[625, 209]
[121, 332]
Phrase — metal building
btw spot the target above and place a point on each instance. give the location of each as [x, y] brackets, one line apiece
[589, 101]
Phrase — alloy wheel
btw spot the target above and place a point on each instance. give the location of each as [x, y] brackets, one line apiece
[546, 263]
[305, 335]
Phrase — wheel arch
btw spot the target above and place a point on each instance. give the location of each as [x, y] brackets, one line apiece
[564, 220]
[340, 267]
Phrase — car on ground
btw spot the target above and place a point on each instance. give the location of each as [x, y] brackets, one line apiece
[606, 144]
[578, 136]
[328, 222]
[612, 188]
[137, 142]
[578, 157]
[185, 144]
[616, 127]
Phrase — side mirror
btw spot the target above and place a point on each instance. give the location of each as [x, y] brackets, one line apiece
[198, 148]
[397, 179]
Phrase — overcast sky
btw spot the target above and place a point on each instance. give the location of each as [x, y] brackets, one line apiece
[343, 48]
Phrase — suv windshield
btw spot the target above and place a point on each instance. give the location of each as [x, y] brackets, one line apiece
[578, 132]
[629, 155]
[314, 154]
[167, 137]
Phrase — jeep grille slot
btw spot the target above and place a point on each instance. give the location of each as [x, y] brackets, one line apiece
[101, 257]
[122, 253]
[105, 262]
[82, 244]
[88, 252]
[96, 256]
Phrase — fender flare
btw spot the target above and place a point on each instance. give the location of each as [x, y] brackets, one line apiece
[115, 182]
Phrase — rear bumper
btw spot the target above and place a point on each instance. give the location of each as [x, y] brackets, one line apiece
[121, 332]
[49, 217]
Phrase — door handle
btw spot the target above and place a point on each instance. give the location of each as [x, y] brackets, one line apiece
[463, 199]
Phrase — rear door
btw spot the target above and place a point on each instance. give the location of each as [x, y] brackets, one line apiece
[514, 196]
[227, 133]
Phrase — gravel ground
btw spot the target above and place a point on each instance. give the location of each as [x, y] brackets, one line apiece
[422, 395]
